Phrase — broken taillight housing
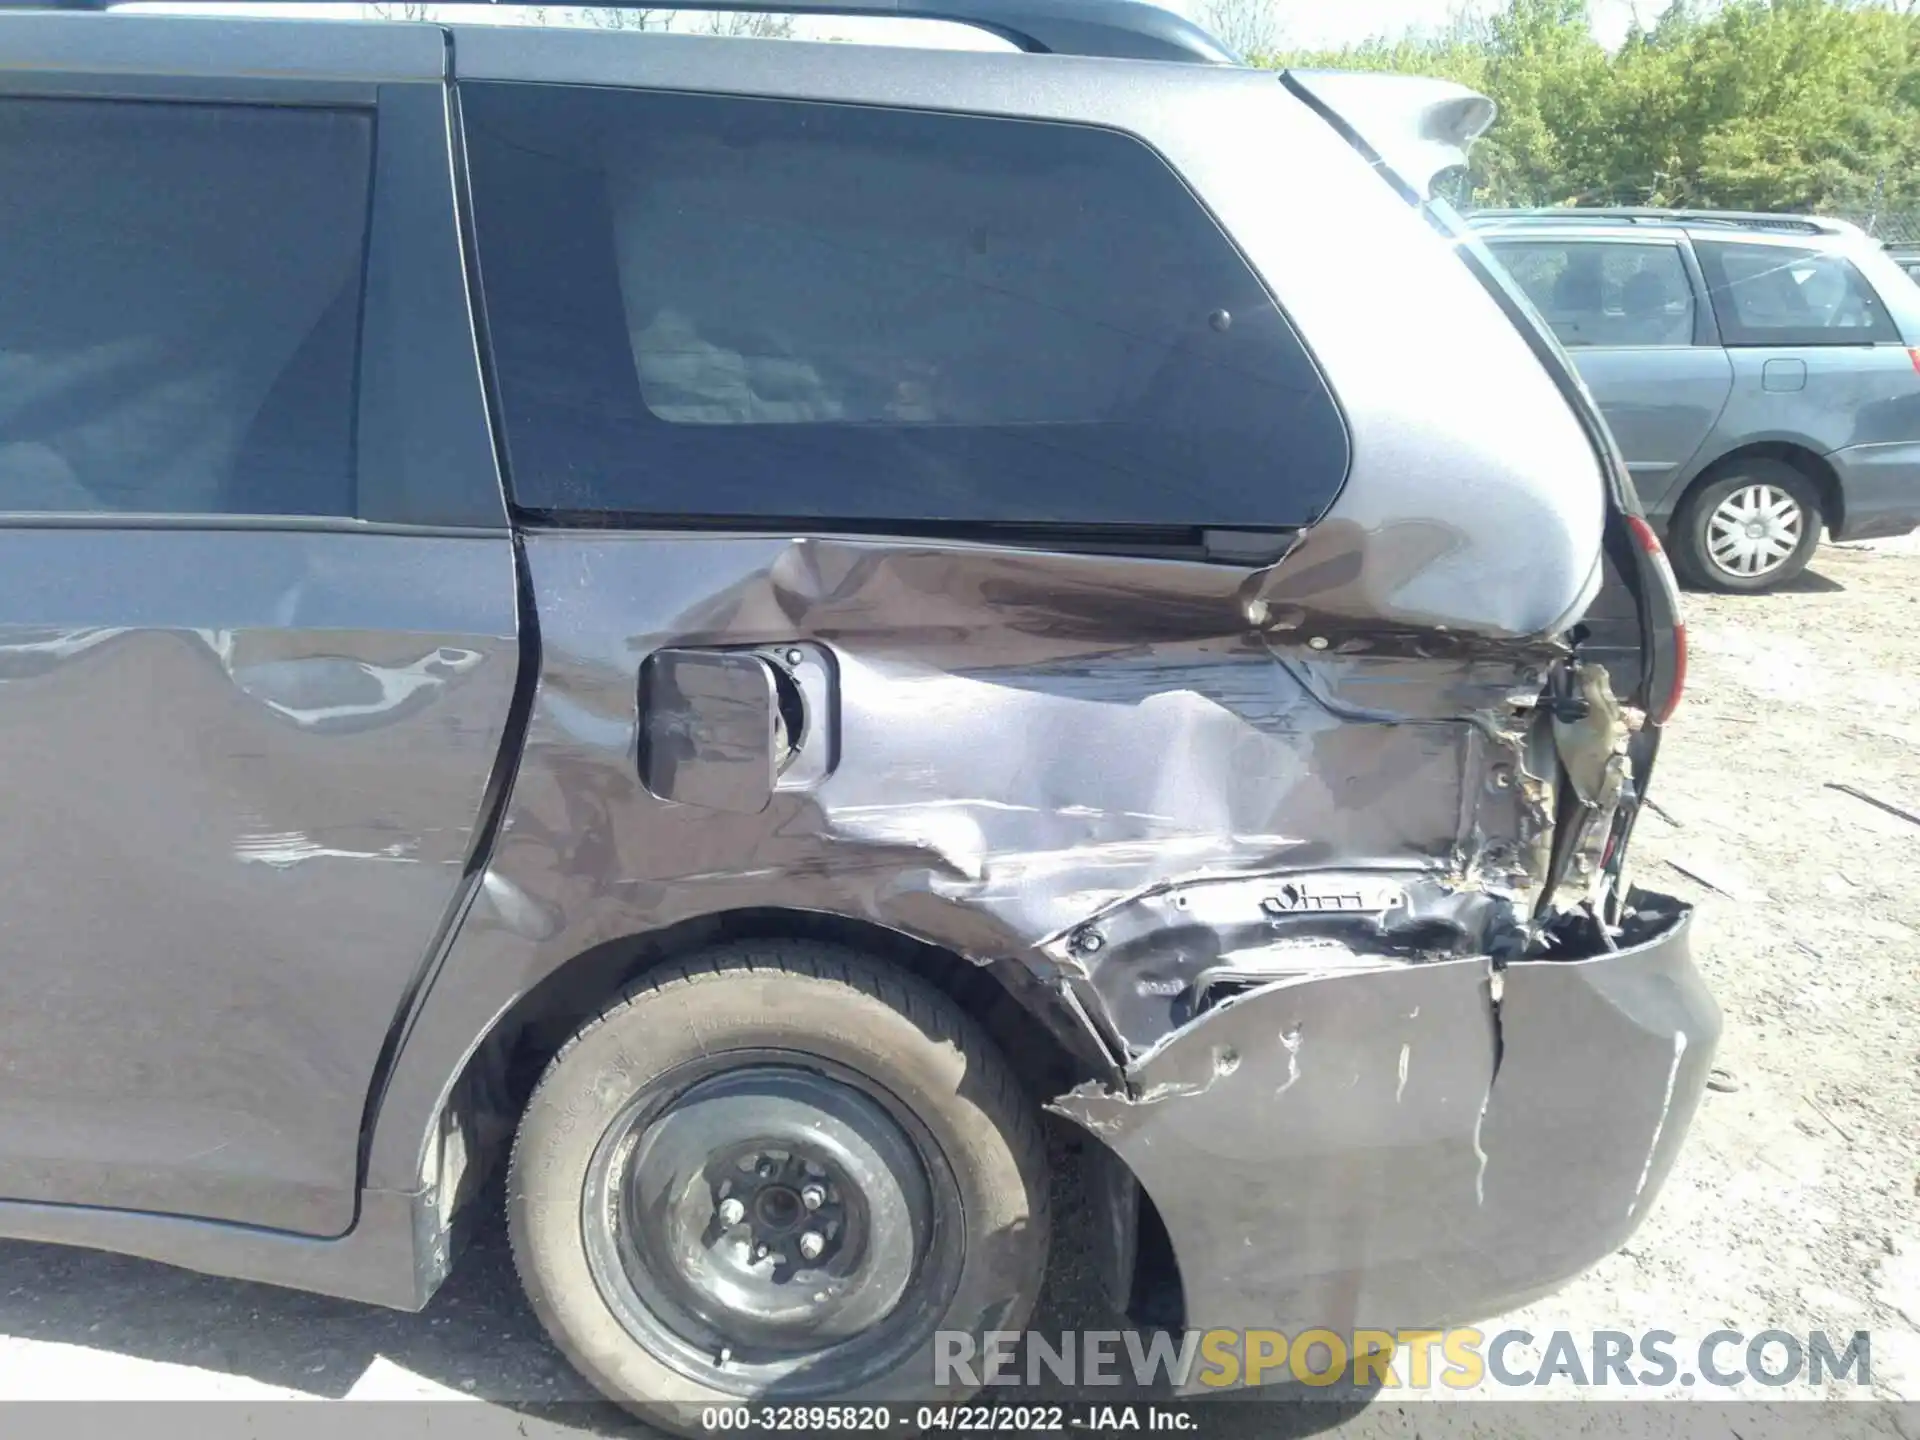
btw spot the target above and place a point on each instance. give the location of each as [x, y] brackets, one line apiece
[1671, 686]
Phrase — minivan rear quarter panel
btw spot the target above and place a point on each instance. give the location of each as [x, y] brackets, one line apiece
[1216, 809]
[1025, 742]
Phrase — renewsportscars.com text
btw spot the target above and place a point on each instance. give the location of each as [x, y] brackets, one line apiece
[1463, 1359]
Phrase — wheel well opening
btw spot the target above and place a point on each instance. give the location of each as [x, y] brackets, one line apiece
[1040, 1039]
[1809, 463]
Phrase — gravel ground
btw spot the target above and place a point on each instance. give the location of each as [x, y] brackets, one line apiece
[1795, 1205]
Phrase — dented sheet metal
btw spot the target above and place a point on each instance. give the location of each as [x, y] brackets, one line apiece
[1157, 958]
[1217, 767]
[1418, 1146]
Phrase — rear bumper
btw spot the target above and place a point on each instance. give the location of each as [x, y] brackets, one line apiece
[1879, 489]
[1397, 1150]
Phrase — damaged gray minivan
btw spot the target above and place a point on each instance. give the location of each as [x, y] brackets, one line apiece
[725, 625]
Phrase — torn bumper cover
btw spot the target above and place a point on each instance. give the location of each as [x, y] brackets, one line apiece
[1415, 1147]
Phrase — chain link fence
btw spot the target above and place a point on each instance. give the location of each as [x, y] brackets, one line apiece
[1895, 227]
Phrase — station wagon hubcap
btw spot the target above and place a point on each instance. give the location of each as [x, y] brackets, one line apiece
[1755, 530]
[764, 1215]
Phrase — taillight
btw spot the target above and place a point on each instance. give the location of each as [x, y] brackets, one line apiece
[1662, 706]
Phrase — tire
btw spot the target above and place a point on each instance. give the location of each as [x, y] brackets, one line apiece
[835, 1101]
[1707, 518]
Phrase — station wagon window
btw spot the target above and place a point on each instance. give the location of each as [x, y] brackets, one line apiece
[179, 306]
[1781, 295]
[712, 307]
[1605, 293]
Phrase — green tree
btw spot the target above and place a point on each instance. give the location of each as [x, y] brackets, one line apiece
[1761, 104]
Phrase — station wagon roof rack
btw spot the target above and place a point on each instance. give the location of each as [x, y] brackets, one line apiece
[1121, 29]
[1652, 215]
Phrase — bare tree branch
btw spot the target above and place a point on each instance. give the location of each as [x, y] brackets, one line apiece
[1248, 27]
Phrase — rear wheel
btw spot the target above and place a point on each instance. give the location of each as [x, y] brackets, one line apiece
[1749, 530]
[775, 1174]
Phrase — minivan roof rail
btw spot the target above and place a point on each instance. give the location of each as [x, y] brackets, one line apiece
[1121, 29]
[1652, 215]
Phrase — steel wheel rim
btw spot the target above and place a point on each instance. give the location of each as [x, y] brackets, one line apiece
[681, 1273]
[1755, 530]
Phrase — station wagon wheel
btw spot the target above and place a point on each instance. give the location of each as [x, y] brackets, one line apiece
[1750, 529]
[1755, 530]
[774, 1175]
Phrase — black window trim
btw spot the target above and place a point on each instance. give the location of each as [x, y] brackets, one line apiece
[418, 195]
[1252, 548]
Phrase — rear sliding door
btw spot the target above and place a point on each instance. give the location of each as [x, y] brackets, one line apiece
[257, 601]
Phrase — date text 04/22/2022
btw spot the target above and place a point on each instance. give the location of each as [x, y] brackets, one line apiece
[963, 1419]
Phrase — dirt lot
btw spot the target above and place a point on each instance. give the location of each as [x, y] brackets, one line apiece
[1796, 1204]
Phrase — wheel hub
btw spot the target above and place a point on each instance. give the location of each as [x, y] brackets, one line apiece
[787, 1206]
[1755, 530]
[766, 1212]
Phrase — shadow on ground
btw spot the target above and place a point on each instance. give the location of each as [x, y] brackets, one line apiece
[1809, 582]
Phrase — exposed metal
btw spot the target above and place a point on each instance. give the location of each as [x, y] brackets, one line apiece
[1031, 746]
[1207, 835]
[1442, 1140]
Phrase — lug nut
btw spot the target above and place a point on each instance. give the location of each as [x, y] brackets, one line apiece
[813, 1197]
[732, 1212]
[811, 1245]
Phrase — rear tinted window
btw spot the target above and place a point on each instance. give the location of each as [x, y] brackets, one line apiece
[740, 308]
[179, 306]
[1778, 295]
[1604, 293]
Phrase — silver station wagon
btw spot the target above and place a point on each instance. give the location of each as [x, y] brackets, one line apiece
[1761, 373]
